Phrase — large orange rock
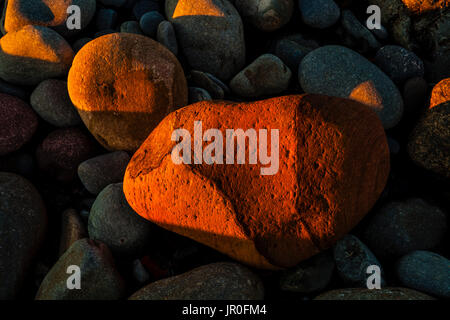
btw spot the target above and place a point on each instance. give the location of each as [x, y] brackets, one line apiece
[333, 165]
[123, 85]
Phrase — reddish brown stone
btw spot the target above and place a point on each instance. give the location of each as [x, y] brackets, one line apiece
[334, 163]
[123, 85]
[62, 151]
[440, 93]
[18, 123]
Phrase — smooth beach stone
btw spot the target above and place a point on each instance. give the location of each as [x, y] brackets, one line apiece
[23, 221]
[18, 123]
[217, 281]
[140, 83]
[266, 15]
[440, 93]
[101, 171]
[166, 36]
[99, 278]
[352, 259]
[399, 64]
[330, 172]
[210, 34]
[20, 13]
[425, 271]
[106, 19]
[149, 23]
[198, 94]
[33, 54]
[339, 71]
[291, 53]
[210, 83]
[401, 227]
[62, 151]
[388, 293]
[319, 14]
[351, 24]
[114, 223]
[51, 102]
[72, 230]
[131, 27]
[265, 76]
[428, 144]
[309, 276]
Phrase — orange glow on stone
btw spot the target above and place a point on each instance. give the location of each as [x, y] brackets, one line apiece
[198, 7]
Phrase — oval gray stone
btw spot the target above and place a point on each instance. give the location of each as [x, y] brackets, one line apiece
[99, 279]
[341, 72]
[210, 34]
[217, 281]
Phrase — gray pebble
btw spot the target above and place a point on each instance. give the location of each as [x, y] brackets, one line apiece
[198, 94]
[357, 30]
[99, 278]
[399, 64]
[319, 14]
[265, 76]
[291, 53]
[309, 276]
[217, 281]
[149, 23]
[166, 36]
[339, 71]
[52, 103]
[210, 83]
[352, 259]
[99, 172]
[113, 222]
[106, 19]
[402, 227]
[425, 271]
[131, 27]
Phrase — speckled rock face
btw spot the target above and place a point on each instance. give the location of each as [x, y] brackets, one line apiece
[23, 221]
[123, 85]
[18, 123]
[440, 93]
[429, 142]
[33, 54]
[218, 281]
[210, 34]
[19, 13]
[333, 165]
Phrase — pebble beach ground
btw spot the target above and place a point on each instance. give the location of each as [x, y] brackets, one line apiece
[90, 99]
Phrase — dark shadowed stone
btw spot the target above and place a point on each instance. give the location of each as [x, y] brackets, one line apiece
[62, 151]
[99, 172]
[428, 144]
[359, 32]
[149, 23]
[23, 221]
[414, 94]
[51, 102]
[319, 13]
[113, 222]
[291, 53]
[99, 277]
[309, 276]
[401, 227]
[166, 36]
[399, 64]
[78, 44]
[131, 27]
[208, 82]
[143, 6]
[17, 91]
[106, 19]
[352, 259]
[18, 123]
[367, 294]
[72, 230]
[198, 94]
[425, 271]
[217, 281]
